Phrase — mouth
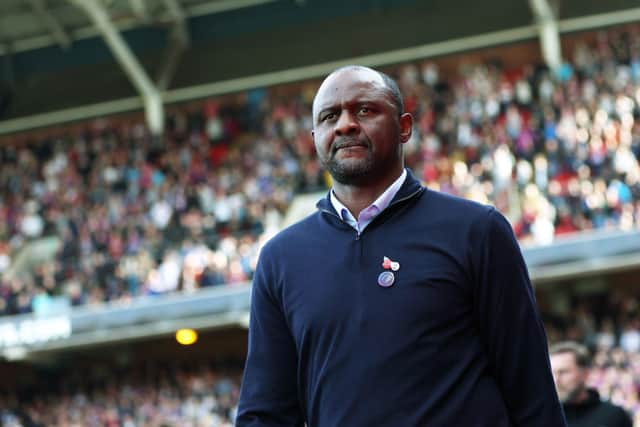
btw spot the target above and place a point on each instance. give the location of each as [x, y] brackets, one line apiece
[351, 144]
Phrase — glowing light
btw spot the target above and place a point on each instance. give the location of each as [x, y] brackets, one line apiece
[186, 336]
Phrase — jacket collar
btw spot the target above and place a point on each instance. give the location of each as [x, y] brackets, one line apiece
[410, 187]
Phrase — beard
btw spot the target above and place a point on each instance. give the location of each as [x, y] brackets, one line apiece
[349, 171]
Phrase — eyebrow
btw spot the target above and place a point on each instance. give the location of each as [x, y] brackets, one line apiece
[371, 101]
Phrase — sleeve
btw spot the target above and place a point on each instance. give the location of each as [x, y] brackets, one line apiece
[511, 328]
[268, 395]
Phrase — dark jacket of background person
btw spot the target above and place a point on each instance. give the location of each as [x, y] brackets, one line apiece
[594, 412]
[456, 341]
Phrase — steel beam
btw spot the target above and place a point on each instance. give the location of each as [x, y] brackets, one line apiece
[55, 28]
[179, 41]
[152, 99]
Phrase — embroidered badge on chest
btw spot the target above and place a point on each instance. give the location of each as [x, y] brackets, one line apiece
[387, 278]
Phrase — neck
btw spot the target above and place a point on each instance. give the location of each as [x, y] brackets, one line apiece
[357, 197]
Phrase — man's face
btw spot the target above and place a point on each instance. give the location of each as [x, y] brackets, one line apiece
[357, 129]
[568, 376]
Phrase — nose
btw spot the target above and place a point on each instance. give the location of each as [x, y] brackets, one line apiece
[346, 124]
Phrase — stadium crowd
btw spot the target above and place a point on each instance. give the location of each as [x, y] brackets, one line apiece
[556, 152]
[152, 396]
[199, 394]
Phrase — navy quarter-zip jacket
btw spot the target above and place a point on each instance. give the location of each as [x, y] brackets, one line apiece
[456, 341]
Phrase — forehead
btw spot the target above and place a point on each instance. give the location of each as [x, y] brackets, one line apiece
[563, 360]
[350, 85]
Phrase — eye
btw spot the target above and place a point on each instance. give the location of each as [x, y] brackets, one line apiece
[364, 110]
[328, 116]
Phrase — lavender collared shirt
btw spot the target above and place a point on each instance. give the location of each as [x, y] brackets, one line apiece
[370, 212]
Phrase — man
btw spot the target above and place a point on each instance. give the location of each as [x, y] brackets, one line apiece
[392, 305]
[570, 363]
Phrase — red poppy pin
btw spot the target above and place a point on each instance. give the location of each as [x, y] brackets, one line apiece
[388, 264]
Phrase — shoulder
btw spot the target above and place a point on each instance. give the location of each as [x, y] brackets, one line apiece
[445, 201]
[281, 250]
[287, 240]
[461, 211]
[475, 228]
[615, 413]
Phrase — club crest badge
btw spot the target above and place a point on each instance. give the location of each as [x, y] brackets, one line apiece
[386, 279]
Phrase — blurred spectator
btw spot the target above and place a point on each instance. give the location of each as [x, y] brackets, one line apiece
[153, 396]
[582, 405]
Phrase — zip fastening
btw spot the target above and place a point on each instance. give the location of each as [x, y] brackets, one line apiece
[395, 202]
[338, 216]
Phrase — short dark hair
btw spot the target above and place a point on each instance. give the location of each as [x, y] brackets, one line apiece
[389, 82]
[579, 351]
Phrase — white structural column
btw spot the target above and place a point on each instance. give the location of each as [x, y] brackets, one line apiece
[154, 109]
[548, 33]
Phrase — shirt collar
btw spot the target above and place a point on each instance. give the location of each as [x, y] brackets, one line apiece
[380, 204]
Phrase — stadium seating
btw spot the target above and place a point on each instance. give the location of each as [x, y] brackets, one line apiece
[127, 217]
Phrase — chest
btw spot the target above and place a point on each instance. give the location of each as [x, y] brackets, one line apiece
[377, 288]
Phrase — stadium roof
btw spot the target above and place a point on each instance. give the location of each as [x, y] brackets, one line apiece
[33, 24]
[52, 55]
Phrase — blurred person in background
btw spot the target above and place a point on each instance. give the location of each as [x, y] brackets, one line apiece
[419, 312]
[570, 363]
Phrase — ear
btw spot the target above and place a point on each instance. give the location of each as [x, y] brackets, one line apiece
[406, 127]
